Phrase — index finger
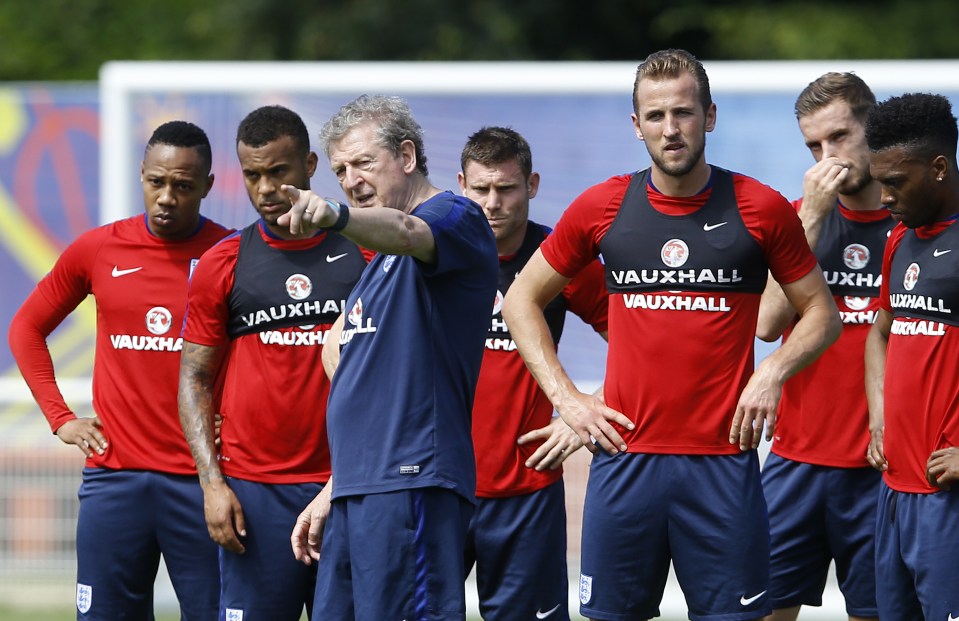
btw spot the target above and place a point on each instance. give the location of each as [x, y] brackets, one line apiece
[314, 538]
[298, 538]
[292, 192]
[734, 427]
[618, 417]
[294, 217]
[608, 438]
[227, 538]
[543, 433]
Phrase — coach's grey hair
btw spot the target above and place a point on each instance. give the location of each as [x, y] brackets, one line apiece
[393, 118]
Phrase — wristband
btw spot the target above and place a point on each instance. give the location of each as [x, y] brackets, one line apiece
[342, 215]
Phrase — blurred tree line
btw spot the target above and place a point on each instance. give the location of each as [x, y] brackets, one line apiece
[70, 39]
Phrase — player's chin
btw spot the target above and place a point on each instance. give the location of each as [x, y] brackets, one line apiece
[167, 226]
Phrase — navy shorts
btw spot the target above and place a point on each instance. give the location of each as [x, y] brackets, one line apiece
[392, 556]
[817, 514]
[705, 513]
[266, 583]
[127, 519]
[518, 544]
[917, 547]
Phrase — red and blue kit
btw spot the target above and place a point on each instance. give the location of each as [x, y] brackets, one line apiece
[273, 302]
[823, 415]
[140, 285]
[509, 402]
[692, 266]
[921, 395]
[141, 497]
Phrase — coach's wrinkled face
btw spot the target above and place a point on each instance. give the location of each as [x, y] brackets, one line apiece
[369, 173]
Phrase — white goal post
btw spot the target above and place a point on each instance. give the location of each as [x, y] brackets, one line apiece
[574, 114]
[122, 81]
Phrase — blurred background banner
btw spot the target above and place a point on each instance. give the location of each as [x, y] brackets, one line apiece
[70, 157]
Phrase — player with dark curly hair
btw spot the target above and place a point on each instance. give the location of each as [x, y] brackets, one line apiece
[914, 408]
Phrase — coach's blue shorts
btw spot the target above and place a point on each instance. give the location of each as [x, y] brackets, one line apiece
[266, 583]
[518, 544]
[817, 514]
[706, 513]
[917, 555]
[127, 519]
[394, 556]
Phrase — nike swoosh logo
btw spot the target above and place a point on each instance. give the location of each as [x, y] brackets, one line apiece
[745, 601]
[939, 253]
[117, 272]
[331, 258]
[543, 615]
[952, 618]
[709, 227]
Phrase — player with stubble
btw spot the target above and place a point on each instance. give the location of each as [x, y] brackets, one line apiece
[517, 537]
[261, 306]
[820, 490]
[686, 248]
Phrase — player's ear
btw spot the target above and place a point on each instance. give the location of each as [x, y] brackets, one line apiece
[711, 117]
[636, 127]
[209, 184]
[532, 185]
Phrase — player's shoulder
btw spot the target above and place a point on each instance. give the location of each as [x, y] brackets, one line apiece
[754, 195]
[226, 245]
[212, 227]
[896, 234]
[615, 185]
[119, 230]
[751, 186]
[211, 232]
[605, 194]
[537, 230]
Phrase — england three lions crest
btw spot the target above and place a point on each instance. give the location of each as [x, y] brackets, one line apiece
[84, 597]
[585, 589]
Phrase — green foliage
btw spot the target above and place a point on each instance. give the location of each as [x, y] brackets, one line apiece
[63, 40]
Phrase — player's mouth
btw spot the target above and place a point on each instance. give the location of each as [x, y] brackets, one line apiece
[274, 208]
